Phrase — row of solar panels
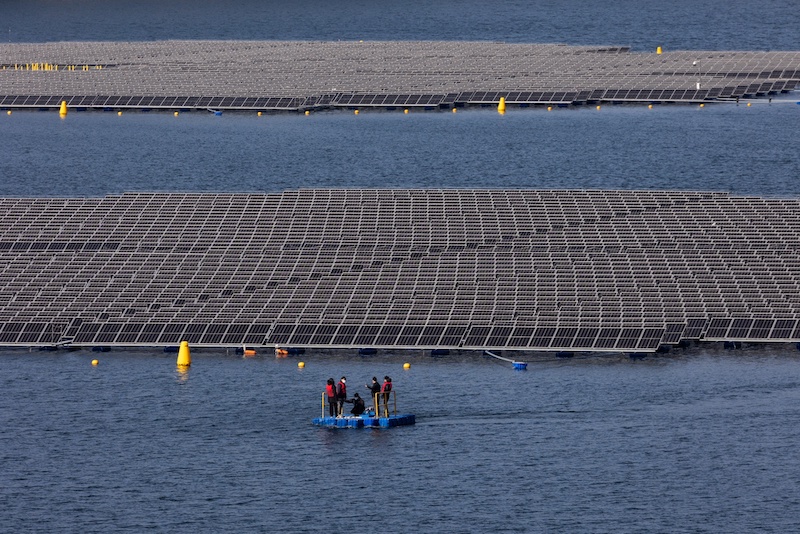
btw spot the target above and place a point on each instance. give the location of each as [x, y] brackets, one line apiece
[330, 244]
[786, 74]
[383, 100]
[334, 335]
[58, 246]
[549, 337]
[169, 102]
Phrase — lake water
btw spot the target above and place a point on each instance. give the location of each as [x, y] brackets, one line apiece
[641, 24]
[745, 150]
[698, 440]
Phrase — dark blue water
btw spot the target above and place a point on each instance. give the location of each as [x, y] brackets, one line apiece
[696, 441]
[745, 150]
[642, 24]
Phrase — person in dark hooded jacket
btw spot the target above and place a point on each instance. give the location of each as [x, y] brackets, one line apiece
[374, 388]
[358, 404]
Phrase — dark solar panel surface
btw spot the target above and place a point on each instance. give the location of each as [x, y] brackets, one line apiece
[281, 75]
[544, 270]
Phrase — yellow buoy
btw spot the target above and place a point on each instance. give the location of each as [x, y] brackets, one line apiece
[702, 105]
[63, 109]
[658, 50]
[501, 106]
[308, 113]
[301, 364]
[8, 112]
[405, 111]
[95, 362]
[454, 110]
[749, 104]
[598, 108]
[406, 366]
[184, 356]
[176, 113]
[650, 106]
[259, 113]
[355, 112]
[549, 108]
[119, 113]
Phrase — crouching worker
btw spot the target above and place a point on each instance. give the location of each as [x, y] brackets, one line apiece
[358, 404]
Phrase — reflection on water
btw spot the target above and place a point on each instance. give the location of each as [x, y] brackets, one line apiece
[182, 373]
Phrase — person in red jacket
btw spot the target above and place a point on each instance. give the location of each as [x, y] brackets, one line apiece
[341, 395]
[330, 391]
[386, 389]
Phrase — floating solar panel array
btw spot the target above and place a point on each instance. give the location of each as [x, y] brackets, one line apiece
[473, 269]
[293, 75]
[154, 102]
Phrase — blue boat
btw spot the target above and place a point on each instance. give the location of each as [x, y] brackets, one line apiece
[365, 421]
[386, 416]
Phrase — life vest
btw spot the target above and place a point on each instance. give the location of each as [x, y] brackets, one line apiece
[342, 390]
[330, 389]
[387, 386]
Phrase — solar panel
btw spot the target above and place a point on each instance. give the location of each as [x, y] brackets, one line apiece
[419, 287]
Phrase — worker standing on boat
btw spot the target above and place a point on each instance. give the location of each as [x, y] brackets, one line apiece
[341, 395]
[330, 390]
[374, 389]
[386, 388]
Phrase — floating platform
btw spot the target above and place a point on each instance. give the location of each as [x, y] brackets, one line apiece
[563, 271]
[365, 421]
[307, 76]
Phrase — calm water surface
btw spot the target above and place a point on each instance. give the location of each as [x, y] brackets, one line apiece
[641, 24]
[702, 441]
[744, 150]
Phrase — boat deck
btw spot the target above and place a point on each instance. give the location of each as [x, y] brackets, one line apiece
[365, 421]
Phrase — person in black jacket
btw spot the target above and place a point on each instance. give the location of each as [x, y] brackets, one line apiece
[374, 388]
[358, 404]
